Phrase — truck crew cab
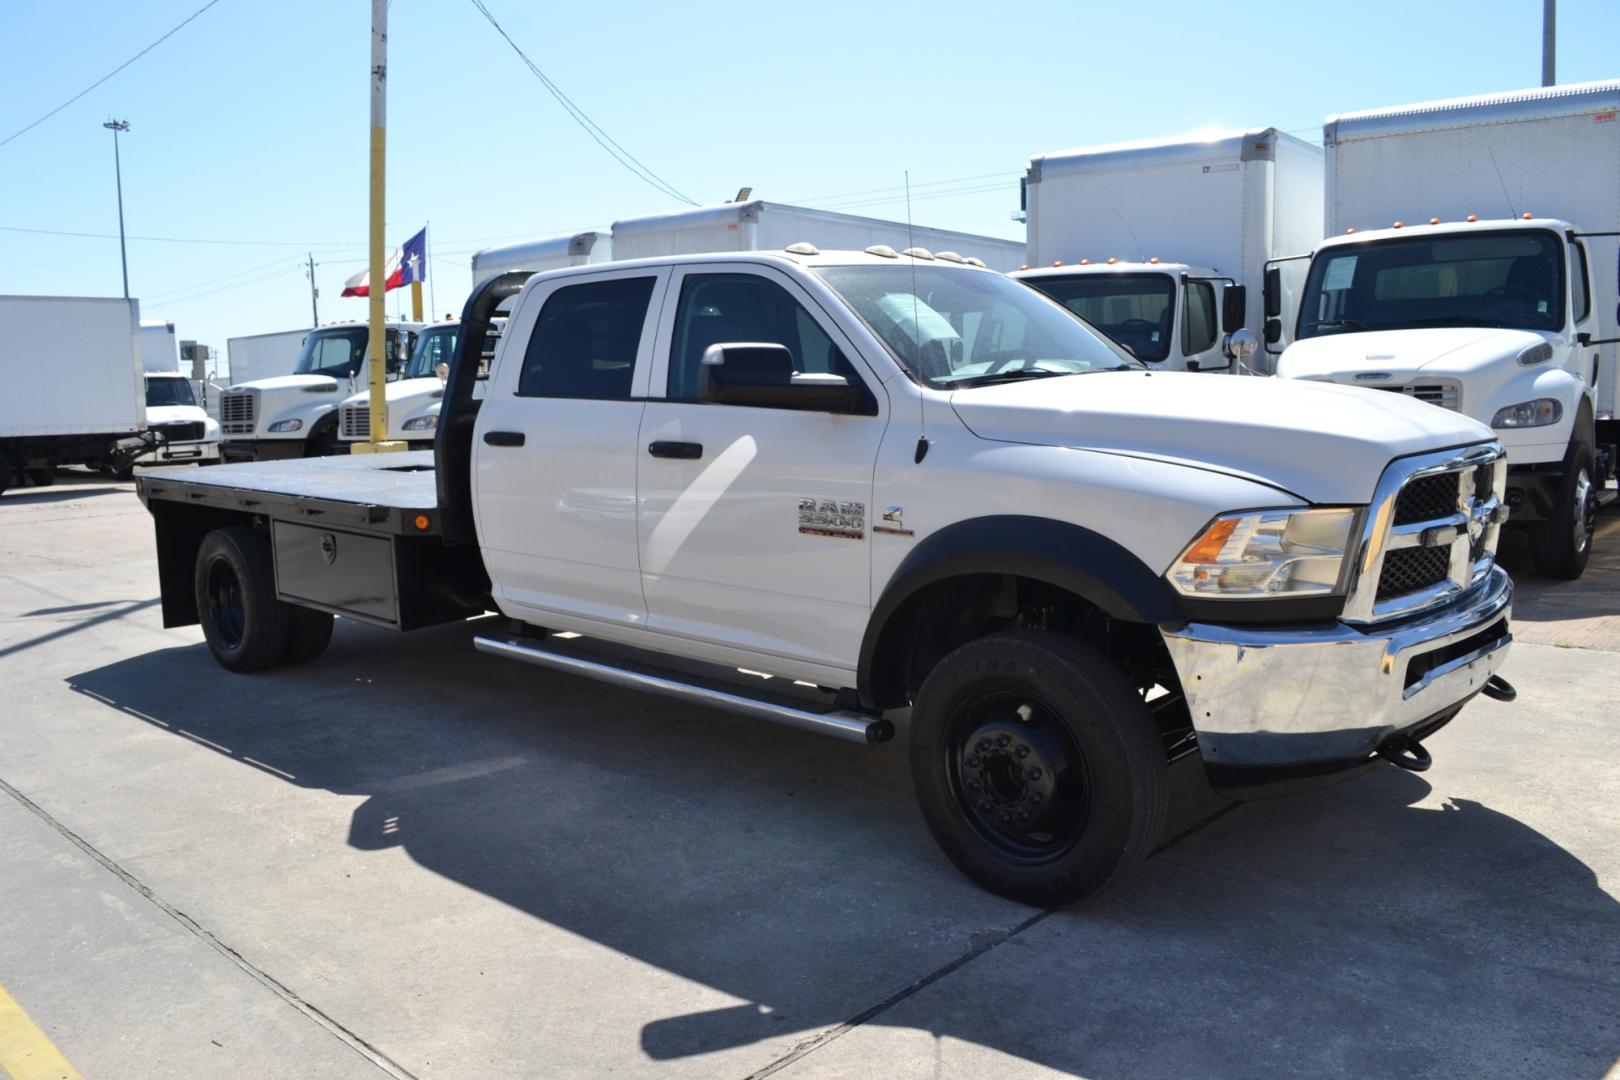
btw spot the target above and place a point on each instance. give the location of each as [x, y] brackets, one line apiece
[899, 481]
[296, 415]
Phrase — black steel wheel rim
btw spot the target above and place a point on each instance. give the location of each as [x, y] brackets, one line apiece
[1017, 775]
[226, 608]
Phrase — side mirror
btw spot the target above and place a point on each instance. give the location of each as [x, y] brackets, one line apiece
[1234, 306]
[761, 375]
[1273, 331]
[1242, 346]
[1272, 293]
[443, 372]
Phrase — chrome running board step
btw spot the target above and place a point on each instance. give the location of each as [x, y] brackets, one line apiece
[839, 723]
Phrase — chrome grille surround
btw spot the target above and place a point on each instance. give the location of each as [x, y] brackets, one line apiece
[238, 411]
[1468, 532]
[354, 421]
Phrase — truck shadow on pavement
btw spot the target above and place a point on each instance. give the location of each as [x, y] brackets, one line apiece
[1346, 931]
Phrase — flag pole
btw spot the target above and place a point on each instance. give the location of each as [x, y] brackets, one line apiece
[377, 367]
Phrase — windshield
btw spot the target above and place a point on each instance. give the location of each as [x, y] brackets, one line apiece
[1134, 310]
[168, 392]
[1512, 279]
[333, 352]
[954, 328]
[433, 347]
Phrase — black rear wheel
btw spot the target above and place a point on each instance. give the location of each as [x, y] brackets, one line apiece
[244, 623]
[1037, 767]
[309, 632]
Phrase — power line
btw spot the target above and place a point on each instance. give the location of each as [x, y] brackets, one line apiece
[109, 74]
[159, 297]
[186, 239]
[915, 187]
[602, 138]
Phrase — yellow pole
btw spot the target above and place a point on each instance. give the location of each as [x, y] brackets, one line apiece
[416, 301]
[377, 350]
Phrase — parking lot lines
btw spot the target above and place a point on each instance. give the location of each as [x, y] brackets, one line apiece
[26, 1052]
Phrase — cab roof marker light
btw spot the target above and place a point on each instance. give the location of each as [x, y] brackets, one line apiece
[1085, 262]
[1472, 218]
[1528, 216]
[884, 251]
[1399, 225]
[1024, 267]
[1057, 262]
[1434, 221]
[1350, 230]
[1112, 260]
[974, 260]
[949, 256]
[802, 248]
[1153, 261]
[919, 253]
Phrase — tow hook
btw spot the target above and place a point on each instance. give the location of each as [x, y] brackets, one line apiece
[1406, 752]
[1499, 689]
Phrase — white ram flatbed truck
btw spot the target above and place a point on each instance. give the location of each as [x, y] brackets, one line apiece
[1162, 244]
[769, 226]
[263, 356]
[70, 385]
[1503, 306]
[544, 253]
[911, 483]
[296, 415]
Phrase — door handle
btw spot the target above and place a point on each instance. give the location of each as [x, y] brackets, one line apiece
[664, 448]
[503, 438]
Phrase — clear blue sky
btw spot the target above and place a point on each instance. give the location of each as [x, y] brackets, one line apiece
[250, 124]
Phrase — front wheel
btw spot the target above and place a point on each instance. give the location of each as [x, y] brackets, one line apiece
[1037, 767]
[1563, 543]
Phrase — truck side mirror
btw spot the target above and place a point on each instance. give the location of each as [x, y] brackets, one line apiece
[1272, 293]
[1234, 304]
[1273, 331]
[761, 374]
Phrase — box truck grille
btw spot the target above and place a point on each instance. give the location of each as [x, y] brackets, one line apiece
[237, 412]
[1441, 394]
[1407, 570]
[354, 422]
[190, 431]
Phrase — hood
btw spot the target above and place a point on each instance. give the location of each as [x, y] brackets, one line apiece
[1402, 354]
[398, 390]
[286, 382]
[174, 414]
[1322, 442]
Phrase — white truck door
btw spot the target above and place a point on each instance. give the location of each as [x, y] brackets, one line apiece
[757, 539]
[554, 450]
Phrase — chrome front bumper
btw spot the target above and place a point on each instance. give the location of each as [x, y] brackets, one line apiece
[180, 453]
[1278, 696]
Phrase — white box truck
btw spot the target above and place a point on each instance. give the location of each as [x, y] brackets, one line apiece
[1148, 241]
[767, 226]
[72, 393]
[160, 349]
[1503, 305]
[544, 253]
[262, 356]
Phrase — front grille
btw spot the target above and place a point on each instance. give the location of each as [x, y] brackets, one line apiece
[1427, 498]
[238, 411]
[354, 422]
[1441, 394]
[1484, 481]
[189, 431]
[1407, 570]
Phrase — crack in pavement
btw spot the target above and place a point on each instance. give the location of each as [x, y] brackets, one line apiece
[264, 978]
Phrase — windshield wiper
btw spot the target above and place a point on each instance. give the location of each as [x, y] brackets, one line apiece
[1351, 323]
[1012, 375]
[1450, 320]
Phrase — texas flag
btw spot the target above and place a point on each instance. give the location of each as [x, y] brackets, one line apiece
[406, 266]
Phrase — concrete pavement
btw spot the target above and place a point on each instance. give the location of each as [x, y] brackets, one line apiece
[408, 858]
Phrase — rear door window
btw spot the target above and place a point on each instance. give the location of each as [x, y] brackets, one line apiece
[585, 340]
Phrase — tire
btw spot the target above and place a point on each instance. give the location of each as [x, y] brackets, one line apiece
[5, 472]
[1036, 724]
[322, 442]
[42, 477]
[309, 632]
[1562, 545]
[246, 626]
[122, 472]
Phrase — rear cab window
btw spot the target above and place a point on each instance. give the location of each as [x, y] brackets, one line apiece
[585, 340]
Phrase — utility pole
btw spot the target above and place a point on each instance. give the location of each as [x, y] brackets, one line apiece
[1549, 42]
[378, 349]
[314, 293]
[115, 126]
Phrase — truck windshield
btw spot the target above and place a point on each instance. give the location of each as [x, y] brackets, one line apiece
[433, 347]
[168, 392]
[336, 353]
[1509, 278]
[1134, 310]
[956, 328]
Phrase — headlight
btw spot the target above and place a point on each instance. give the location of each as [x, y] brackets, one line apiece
[287, 425]
[421, 423]
[1537, 413]
[1266, 553]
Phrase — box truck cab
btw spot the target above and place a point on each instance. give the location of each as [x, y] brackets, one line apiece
[1167, 315]
[1507, 318]
[189, 436]
[1151, 241]
[296, 415]
[412, 400]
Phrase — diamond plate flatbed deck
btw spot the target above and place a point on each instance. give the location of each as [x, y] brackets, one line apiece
[384, 492]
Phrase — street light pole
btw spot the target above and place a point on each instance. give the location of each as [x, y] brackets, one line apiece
[115, 126]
